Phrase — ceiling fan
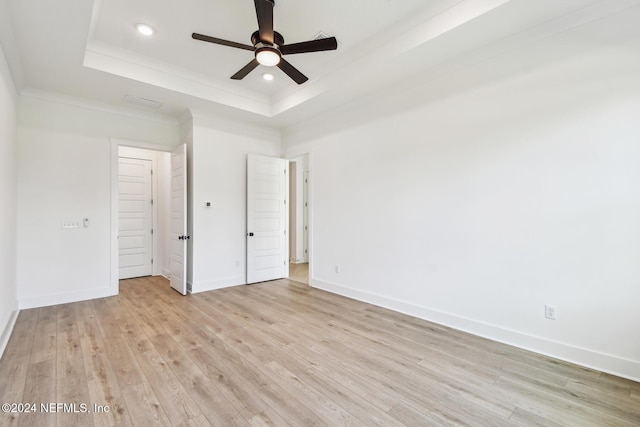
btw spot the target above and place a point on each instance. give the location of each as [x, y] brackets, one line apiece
[268, 45]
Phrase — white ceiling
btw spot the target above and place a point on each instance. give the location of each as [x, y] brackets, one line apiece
[91, 50]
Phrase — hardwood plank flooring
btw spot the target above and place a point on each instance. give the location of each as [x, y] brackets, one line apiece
[299, 272]
[281, 353]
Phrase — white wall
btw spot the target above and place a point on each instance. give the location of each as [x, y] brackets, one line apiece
[8, 218]
[219, 175]
[62, 176]
[478, 208]
[64, 172]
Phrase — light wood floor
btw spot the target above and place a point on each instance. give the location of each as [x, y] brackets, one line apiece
[299, 272]
[281, 353]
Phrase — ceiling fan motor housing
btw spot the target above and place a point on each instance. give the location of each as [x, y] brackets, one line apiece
[277, 38]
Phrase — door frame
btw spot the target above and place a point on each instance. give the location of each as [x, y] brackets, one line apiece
[290, 156]
[116, 143]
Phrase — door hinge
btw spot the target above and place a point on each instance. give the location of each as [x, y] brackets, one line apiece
[152, 231]
[152, 201]
[151, 171]
[306, 228]
[285, 232]
[285, 202]
[151, 260]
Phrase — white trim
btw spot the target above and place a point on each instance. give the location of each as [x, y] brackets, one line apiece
[156, 257]
[8, 329]
[67, 297]
[311, 204]
[287, 228]
[59, 98]
[115, 224]
[580, 356]
[235, 127]
[142, 144]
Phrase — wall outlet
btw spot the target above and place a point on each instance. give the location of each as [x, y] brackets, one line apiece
[550, 311]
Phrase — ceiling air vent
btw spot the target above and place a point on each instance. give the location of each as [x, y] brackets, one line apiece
[142, 102]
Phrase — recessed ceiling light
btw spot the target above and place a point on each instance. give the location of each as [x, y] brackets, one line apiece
[144, 29]
[267, 76]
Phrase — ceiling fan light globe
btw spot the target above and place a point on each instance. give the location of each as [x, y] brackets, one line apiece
[268, 57]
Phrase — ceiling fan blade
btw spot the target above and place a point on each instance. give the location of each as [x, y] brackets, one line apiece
[245, 70]
[292, 72]
[216, 40]
[319, 45]
[264, 12]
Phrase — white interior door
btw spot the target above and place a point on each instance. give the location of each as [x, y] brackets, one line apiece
[266, 218]
[135, 238]
[179, 236]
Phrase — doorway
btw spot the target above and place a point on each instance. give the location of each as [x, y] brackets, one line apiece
[141, 210]
[299, 219]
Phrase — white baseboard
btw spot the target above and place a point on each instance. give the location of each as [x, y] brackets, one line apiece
[608, 363]
[211, 285]
[6, 332]
[63, 298]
